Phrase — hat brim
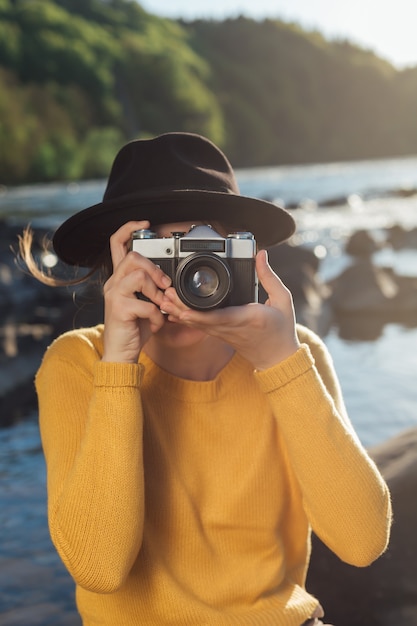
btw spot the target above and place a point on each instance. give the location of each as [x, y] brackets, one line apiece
[83, 238]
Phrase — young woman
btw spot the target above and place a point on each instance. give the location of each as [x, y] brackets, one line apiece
[190, 453]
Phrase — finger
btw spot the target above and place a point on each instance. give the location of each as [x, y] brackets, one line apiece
[148, 311]
[129, 285]
[172, 304]
[134, 261]
[139, 281]
[120, 240]
[140, 310]
[175, 306]
[220, 319]
[122, 304]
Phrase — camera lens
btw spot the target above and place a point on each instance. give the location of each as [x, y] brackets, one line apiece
[202, 281]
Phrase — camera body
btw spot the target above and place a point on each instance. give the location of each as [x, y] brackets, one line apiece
[208, 271]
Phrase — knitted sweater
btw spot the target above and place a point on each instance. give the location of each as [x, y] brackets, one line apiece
[178, 502]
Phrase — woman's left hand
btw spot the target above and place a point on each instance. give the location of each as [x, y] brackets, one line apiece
[262, 333]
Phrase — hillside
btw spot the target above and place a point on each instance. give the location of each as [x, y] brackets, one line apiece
[289, 96]
[80, 77]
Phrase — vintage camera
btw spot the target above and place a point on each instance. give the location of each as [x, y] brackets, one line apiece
[208, 271]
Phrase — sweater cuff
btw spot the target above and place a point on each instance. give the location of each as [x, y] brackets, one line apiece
[118, 374]
[281, 374]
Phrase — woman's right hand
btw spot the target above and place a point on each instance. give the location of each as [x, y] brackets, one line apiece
[128, 321]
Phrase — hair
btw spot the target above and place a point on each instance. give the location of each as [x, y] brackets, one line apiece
[102, 268]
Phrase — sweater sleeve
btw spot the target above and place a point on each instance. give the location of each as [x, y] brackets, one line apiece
[345, 498]
[91, 427]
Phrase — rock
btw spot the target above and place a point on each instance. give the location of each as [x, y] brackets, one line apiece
[399, 237]
[363, 287]
[365, 296]
[383, 594]
[361, 244]
[334, 202]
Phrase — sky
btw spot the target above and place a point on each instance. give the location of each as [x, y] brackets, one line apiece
[388, 27]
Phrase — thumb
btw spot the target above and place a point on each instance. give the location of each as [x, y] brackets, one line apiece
[272, 284]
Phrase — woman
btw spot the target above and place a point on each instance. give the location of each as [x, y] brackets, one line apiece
[190, 453]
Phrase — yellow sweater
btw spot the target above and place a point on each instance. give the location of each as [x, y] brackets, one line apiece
[190, 503]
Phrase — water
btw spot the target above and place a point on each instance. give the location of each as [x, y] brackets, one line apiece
[35, 588]
[321, 182]
[377, 377]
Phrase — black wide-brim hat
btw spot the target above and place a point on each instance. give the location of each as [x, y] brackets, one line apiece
[176, 177]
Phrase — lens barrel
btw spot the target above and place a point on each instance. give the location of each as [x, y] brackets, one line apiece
[203, 281]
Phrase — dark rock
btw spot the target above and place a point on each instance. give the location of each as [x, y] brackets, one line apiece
[365, 288]
[365, 296]
[361, 244]
[402, 192]
[333, 202]
[400, 238]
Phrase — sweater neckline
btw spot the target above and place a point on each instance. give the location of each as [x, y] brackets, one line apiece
[191, 390]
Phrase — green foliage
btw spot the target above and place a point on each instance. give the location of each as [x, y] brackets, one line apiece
[289, 96]
[167, 82]
[80, 77]
[44, 147]
[111, 12]
[88, 75]
[67, 51]
[98, 151]
[10, 43]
